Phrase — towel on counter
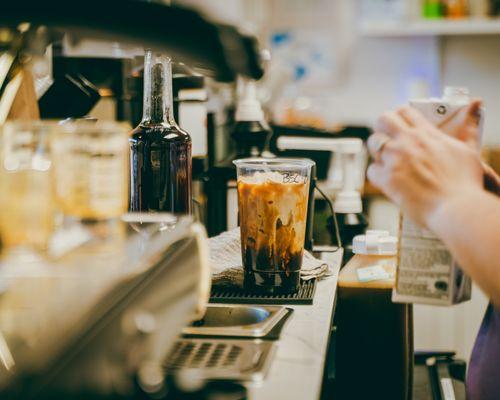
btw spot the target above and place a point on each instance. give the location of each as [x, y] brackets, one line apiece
[226, 264]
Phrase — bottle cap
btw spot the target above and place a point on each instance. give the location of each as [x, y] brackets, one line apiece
[348, 202]
[375, 243]
[249, 108]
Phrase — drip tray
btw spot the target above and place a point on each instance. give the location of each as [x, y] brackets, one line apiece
[240, 321]
[232, 359]
[235, 294]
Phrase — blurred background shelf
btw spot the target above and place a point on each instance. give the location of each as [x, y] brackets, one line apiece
[439, 27]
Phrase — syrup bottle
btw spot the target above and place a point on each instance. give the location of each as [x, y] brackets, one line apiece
[251, 132]
[160, 151]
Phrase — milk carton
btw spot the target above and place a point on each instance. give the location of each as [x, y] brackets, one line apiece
[426, 271]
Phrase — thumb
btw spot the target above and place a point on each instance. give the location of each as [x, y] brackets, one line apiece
[475, 107]
[473, 113]
[464, 126]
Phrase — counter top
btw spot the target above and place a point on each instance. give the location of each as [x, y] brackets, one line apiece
[297, 369]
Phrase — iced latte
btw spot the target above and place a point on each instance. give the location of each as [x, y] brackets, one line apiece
[272, 199]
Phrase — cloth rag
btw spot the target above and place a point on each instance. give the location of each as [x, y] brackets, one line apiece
[226, 263]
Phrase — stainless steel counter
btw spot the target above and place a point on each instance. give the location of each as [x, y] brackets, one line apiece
[297, 369]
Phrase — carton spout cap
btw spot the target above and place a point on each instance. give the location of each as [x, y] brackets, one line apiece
[455, 93]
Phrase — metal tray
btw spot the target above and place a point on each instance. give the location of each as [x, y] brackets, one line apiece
[237, 321]
[232, 359]
[236, 295]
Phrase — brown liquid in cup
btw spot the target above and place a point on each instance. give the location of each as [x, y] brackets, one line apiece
[272, 221]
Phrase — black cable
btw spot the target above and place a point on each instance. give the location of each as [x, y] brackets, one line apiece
[334, 216]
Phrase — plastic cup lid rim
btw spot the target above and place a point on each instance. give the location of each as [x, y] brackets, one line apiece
[294, 162]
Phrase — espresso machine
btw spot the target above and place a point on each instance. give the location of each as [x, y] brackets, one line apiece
[100, 318]
[28, 27]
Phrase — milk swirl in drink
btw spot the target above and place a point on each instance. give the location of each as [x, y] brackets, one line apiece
[272, 199]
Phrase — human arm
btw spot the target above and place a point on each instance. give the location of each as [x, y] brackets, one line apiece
[438, 182]
[469, 225]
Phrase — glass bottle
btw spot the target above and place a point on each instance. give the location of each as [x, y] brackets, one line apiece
[457, 8]
[433, 9]
[160, 151]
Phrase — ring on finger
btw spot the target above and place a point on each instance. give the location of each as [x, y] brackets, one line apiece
[379, 140]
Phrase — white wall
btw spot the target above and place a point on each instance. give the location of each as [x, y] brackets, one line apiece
[474, 61]
[378, 76]
[382, 69]
[450, 328]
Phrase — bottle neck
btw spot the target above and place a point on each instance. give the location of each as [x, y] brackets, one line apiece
[158, 100]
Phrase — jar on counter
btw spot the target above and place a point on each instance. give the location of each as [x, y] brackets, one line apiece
[374, 262]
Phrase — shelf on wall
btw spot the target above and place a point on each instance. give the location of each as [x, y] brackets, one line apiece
[442, 27]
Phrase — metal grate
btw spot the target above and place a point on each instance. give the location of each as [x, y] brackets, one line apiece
[305, 295]
[222, 359]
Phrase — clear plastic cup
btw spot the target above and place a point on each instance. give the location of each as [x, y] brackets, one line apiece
[91, 169]
[27, 208]
[272, 201]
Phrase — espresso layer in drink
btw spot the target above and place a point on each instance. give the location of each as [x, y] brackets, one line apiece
[272, 222]
[271, 283]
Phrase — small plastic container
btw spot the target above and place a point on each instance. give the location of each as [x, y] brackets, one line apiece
[374, 262]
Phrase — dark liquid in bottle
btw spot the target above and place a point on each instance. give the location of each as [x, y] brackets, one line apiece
[160, 166]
